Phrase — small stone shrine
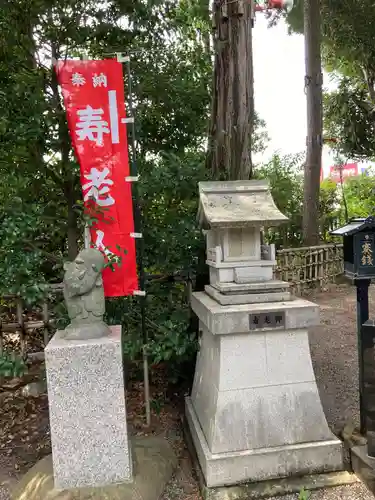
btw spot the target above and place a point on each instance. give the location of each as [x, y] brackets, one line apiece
[255, 411]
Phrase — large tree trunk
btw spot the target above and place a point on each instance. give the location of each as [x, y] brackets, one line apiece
[232, 114]
[312, 27]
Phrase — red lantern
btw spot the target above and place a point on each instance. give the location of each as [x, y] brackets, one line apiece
[328, 140]
[281, 4]
[263, 5]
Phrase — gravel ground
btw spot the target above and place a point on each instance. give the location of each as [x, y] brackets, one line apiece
[5, 481]
[334, 353]
[335, 357]
[4, 495]
[353, 492]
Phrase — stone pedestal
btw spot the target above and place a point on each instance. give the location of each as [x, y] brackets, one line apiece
[87, 411]
[255, 412]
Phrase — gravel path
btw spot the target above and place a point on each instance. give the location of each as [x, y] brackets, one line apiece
[335, 357]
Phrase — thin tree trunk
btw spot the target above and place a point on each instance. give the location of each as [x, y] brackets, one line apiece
[343, 194]
[232, 119]
[64, 146]
[312, 26]
[72, 231]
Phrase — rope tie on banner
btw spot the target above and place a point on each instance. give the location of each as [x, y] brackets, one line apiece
[122, 58]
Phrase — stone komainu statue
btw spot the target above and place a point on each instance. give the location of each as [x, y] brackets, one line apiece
[84, 296]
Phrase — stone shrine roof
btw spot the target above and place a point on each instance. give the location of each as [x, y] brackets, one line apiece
[237, 204]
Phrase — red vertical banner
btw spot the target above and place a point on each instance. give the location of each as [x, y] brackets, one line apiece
[93, 93]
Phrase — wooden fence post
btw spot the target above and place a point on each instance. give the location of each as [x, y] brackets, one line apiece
[20, 321]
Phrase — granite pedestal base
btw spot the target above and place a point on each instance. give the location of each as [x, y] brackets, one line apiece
[86, 398]
[255, 412]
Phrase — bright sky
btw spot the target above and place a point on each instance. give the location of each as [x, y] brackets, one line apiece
[279, 70]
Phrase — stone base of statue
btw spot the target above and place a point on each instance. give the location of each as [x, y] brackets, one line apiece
[86, 396]
[154, 464]
[255, 412]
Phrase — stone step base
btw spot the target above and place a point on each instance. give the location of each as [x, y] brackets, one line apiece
[226, 469]
[256, 287]
[247, 298]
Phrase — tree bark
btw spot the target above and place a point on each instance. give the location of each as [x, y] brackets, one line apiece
[312, 28]
[64, 147]
[72, 231]
[232, 115]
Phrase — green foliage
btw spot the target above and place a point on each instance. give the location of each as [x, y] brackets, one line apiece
[169, 194]
[349, 54]
[40, 194]
[285, 176]
[360, 195]
[12, 365]
[295, 17]
[349, 117]
[171, 79]
[167, 315]
[304, 494]
[348, 31]
[330, 208]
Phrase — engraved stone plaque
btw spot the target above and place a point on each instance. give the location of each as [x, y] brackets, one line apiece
[274, 319]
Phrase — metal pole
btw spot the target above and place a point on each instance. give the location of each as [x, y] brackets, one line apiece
[362, 317]
[368, 343]
[140, 249]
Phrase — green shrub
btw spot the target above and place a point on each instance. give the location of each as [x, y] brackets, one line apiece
[12, 365]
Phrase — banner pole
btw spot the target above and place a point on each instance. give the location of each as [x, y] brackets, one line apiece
[140, 242]
[86, 230]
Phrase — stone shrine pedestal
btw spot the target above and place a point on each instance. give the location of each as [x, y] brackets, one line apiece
[255, 412]
[87, 410]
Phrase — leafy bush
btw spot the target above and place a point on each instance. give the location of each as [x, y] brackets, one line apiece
[167, 315]
[12, 365]
[285, 175]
